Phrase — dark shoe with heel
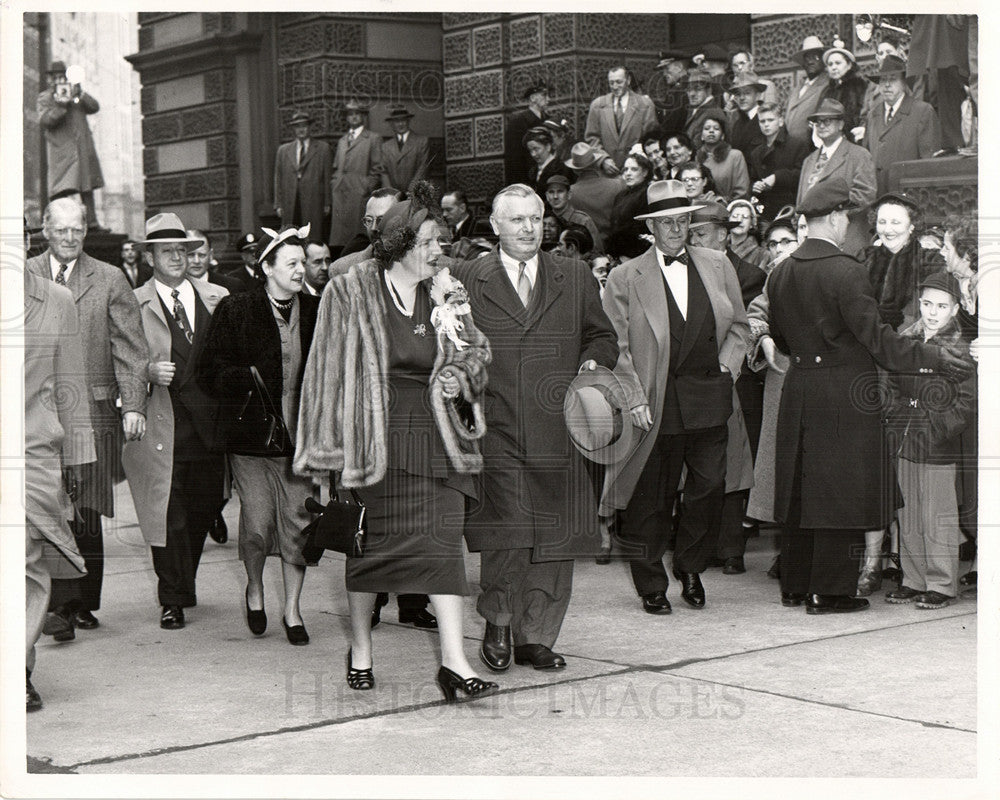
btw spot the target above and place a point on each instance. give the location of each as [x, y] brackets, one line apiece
[792, 598]
[33, 700]
[381, 601]
[734, 566]
[361, 680]
[902, 595]
[603, 556]
[473, 688]
[495, 651]
[933, 599]
[296, 634]
[256, 620]
[656, 603]
[59, 625]
[218, 530]
[85, 620]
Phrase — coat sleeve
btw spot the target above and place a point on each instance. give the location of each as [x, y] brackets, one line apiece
[597, 338]
[592, 131]
[89, 104]
[222, 371]
[787, 177]
[423, 161]
[733, 349]
[862, 191]
[648, 115]
[50, 113]
[929, 138]
[616, 307]
[73, 397]
[741, 177]
[129, 349]
[375, 166]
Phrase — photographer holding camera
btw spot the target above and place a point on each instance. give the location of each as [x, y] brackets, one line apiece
[73, 165]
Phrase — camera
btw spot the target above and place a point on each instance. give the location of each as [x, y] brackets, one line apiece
[62, 91]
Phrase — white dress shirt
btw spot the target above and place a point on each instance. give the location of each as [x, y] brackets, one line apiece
[186, 296]
[54, 267]
[676, 275]
[894, 107]
[513, 269]
[831, 149]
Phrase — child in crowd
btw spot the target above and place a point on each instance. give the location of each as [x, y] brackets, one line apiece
[926, 417]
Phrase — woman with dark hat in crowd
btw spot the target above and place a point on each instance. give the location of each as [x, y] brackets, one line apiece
[396, 411]
[627, 239]
[269, 328]
[727, 164]
[540, 146]
[847, 85]
[560, 137]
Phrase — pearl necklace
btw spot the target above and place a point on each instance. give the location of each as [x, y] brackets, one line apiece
[281, 305]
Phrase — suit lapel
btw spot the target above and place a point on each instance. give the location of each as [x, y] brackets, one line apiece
[551, 279]
[650, 292]
[499, 290]
[81, 279]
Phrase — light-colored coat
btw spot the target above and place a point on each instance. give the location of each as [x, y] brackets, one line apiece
[639, 117]
[800, 107]
[72, 157]
[404, 167]
[914, 132]
[57, 430]
[634, 302]
[311, 181]
[115, 357]
[148, 461]
[357, 171]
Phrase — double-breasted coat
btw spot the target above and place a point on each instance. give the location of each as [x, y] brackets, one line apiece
[115, 358]
[802, 101]
[57, 430]
[783, 159]
[72, 157]
[638, 118]
[308, 181]
[534, 488]
[635, 302]
[357, 172]
[148, 461]
[829, 438]
[404, 167]
[913, 132]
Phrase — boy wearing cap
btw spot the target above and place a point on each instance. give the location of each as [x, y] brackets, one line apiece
[926, 417]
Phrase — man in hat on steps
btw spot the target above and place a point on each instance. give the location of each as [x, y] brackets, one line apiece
[803, 98]
[593, 192]
[831, 466]
[247, 274]
[900, 128]
[176, 471]
[517, 162]
[557, 195]
[357, 172]
[701, 101]
[744, 130]
[667, 90]
[405, 156]
[302, 177]
[114, 363]
[682, 336]
[73, 167]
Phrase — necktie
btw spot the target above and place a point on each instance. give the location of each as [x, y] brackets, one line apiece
[682, 256]
[181, 317]
[61, 275]
[818, 169]
[619, 114]
[888, 115]
[523, 284]
[298, 155]
[399, 142]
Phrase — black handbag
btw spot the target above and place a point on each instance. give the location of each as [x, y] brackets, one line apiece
[259, 429]
[340, 526]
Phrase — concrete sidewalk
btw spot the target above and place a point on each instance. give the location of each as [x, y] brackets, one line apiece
[743, 687]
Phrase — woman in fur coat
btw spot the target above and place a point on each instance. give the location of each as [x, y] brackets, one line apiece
[391, 400]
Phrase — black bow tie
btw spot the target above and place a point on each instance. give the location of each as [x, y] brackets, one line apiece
[682, 257]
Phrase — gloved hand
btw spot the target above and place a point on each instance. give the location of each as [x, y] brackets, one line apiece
[954, 367]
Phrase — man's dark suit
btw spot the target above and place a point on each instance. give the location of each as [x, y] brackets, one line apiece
[516, 160]
[744, 133]
[536, 509]
[404, 166]
[302, 190]
[142, 274]
[227, 282]
[913, 132]
[782, 158]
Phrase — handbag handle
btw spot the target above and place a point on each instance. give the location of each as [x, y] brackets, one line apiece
[333, 489]
[265, 396]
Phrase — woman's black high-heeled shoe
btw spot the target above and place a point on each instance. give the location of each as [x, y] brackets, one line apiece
[256, 620]
[296, 633]
[360, 680]
[473, 688]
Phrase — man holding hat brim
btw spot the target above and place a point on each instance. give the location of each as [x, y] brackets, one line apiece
[597, 416]
[698, 86]
[302, 178]
[176, 471]
[593, 192]
[831, 468]
[900, 128]
[557, 197]
[804, 97]
[406, 156]
[357, 172]
[517, 163]
[682, 336]
[838, 159]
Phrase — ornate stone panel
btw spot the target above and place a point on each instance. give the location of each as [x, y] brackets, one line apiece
[486, 46]
[320, 37]
[525, 38]
[466, 94]
[450, 21]
[220, 84]
[457, 49]
[481, 180]
[622, 33]
[489, 135]
[774, 43]
[161, 128]
[459, 139]
[558, 33]
[224, 215]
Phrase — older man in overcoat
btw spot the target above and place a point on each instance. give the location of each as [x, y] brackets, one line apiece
[682, 336]
[357, 172]
[176, 471]
[115, 358]
[536, 510]
[302, 177]
[833, 481]
[618, 119]
[804, 96]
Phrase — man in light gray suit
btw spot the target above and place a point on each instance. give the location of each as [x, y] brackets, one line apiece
[115, 359]
[617, 120]
[804, 98]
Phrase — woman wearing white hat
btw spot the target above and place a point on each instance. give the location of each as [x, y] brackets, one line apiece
[847, 84]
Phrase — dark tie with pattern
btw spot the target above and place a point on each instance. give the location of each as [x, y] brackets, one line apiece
[818, 169]
[61, 275]
[619, 114]
[523, 284]
[181, 317]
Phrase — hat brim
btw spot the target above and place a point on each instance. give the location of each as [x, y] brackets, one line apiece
[760, 88]
[728, 223]
[814, 117]
[623, 445]
[392, 117]
[191, 244]
[844, 52]
[877, 77]
[670, 212]
[800, 57]
[569, 163]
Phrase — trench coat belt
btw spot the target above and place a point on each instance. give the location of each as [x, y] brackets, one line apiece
[817, 360]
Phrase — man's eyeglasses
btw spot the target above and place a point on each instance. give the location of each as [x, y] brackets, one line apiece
[774, 244]
[370, 222]
[692, 180]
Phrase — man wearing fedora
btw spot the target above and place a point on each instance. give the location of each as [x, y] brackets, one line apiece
[517, 162]
[536, 510]
[557, 195]
[405, 156]
[593, 192]
[831, 467]
[302, 177]
[669, 97]
[357, 172]
[701, 101]
[618, 119]
[803, 98]
[837, 158]
[73, 167]
[900, 128]
[176, 471]
[682, 336]
[741, 62]
[115, 360]
[744, 129]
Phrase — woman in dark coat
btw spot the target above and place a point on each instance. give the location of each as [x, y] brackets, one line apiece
[541, 147]
[270, 328]
[396, 410]
[627, 235]
[847, 85]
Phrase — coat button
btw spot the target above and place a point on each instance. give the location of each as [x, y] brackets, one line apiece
[798, 360]
[818, 359]
[159, 416]
[159, 447]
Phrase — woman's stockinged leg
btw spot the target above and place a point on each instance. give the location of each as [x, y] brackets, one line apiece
[361, 605]
[293, 576]
[448, 610]
[255, 581]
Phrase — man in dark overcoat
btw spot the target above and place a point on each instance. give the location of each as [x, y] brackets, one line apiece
[517, 162]
[536, 510]
[776, 163]
[115, 358]
[302, 178]
[830, 467]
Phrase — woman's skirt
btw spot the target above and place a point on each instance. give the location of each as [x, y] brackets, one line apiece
[272, 510]
[414, 543]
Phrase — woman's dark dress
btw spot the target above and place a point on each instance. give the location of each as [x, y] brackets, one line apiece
[416, 513]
